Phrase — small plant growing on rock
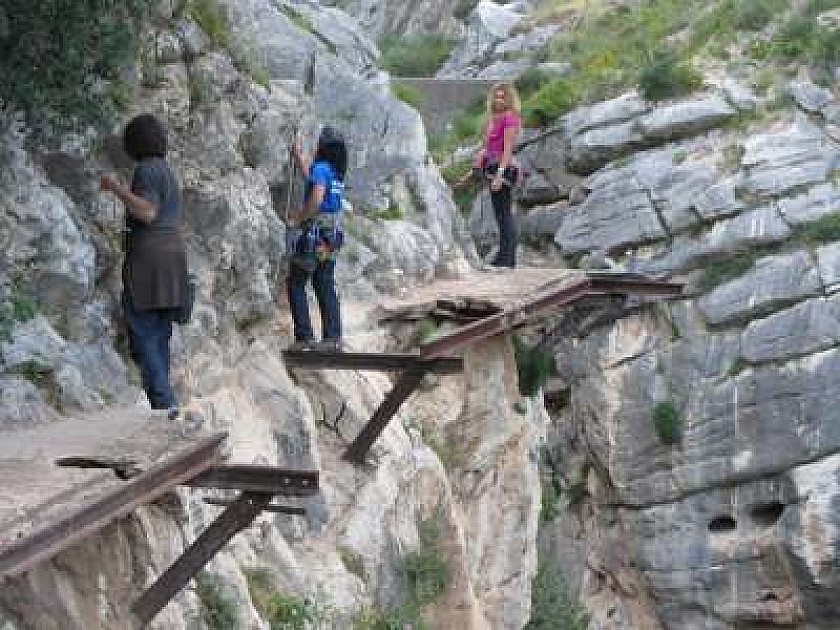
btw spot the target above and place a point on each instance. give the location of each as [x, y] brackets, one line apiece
[667, 422]
[666, 77]
[533, 365]
[218, 609]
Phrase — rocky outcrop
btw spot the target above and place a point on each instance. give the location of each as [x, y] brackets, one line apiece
[726, 496]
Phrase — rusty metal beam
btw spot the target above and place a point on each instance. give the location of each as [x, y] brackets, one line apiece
[370, 361]
[292, 510]
[596, 285]
[239, 515]
[405, 385]
[22, 555]
[255, 478]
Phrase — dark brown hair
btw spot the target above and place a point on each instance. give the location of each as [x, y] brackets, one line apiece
[144, 137]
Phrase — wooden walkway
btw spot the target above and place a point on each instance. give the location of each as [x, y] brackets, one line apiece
[68, 480]
[491, 304]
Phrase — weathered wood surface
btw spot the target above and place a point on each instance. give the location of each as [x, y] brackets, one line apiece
[36, 491]
[482, 292]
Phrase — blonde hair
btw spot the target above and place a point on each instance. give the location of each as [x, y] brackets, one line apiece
[512, 102]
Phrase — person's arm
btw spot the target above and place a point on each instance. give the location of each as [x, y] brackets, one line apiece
[312, 207]
[140, 208]
[299, 156]
[511, 133]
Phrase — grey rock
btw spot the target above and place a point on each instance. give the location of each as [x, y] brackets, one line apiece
[773, 282]
[803, 329]
[33, 342]
[593, 148]
[810, 97]
[504, 70]
[740, 95]
[529, 41]
[193, 40]
[616, 214]
[685, 118]
[345, 37]
[606, 113]
[777, 162]
[819, 201]
[718, 200]
[427, 16]
[828, 260]
[168, 48]
[487, 25]
[22, 406]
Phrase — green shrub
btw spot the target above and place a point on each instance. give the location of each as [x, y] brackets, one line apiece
[550, 503]
[218, 610]
[548, 103]
[726, 268]
[407, 94]
[426, 570]
[815, 7]
[532, 80]
[59, 52]
[533, 365]
[283, 612]
[389, 619]
[824, 230]
[17, 308]
[666, 77]
[552, 606]
[419, 55]
[667, 422]
[212, 18]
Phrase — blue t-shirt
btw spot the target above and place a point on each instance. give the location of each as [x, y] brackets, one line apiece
[321, 173]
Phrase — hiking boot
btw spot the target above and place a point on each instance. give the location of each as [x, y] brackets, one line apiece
[303, 344]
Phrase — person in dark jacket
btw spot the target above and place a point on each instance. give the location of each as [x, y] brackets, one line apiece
[155, 267]
[321, 237]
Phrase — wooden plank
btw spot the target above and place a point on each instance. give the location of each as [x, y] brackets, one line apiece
[23, 554]
[253, 478]
[370, 361]
[239, 515]
[405, 385]
[292, 510]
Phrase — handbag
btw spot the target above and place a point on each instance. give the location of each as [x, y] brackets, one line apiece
[183, 313]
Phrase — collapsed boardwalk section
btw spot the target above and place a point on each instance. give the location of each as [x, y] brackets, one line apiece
[145, 460]
[515, 312]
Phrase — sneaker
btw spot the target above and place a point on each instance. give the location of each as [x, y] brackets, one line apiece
[185, 421]
[331, 345]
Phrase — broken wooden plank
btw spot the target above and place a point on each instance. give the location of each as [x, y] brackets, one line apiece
[370, 361]
[23, 554]
[239, 515]
[405, 385]
[255, 478]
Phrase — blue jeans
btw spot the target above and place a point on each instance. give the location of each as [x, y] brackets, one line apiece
[323, 281]
[149, 332]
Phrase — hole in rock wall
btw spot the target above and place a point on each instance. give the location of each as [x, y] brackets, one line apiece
[722, 524]
[768, 514]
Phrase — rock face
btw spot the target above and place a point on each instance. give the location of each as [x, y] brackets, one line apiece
[429, 16]
[231, 115]
[727, 516]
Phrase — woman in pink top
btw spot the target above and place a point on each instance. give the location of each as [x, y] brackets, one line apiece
[495, 160]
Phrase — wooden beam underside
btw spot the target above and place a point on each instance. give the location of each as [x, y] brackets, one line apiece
[370, 361]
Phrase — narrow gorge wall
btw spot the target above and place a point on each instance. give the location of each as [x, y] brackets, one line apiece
[732, 522]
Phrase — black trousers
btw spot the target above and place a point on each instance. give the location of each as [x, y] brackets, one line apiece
[502, 200]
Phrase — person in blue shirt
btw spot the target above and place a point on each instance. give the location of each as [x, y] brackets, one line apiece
[321, 237]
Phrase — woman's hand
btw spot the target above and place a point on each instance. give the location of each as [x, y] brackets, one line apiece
[109, 183]
[497, 182]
